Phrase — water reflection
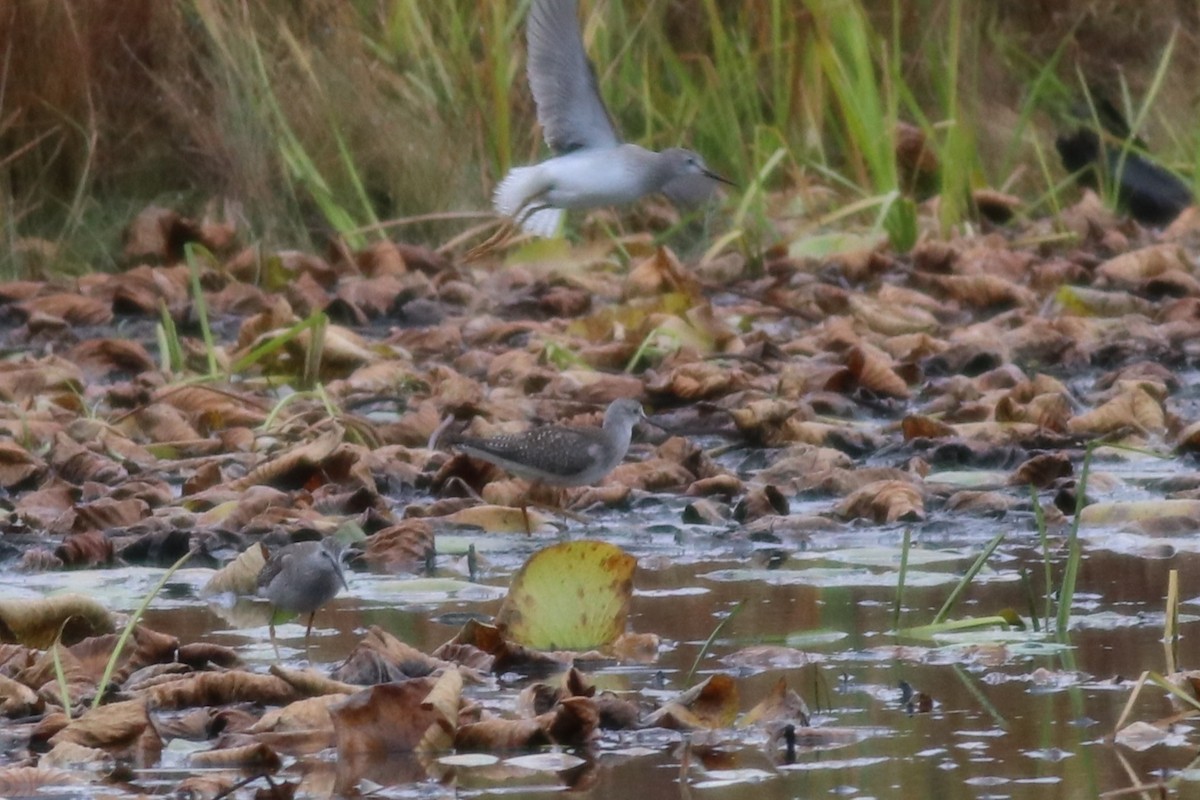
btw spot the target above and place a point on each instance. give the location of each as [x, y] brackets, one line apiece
[1001, 724]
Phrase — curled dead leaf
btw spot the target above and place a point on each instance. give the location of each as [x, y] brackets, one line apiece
[710, 704]
[884, 502]
[1133, 409]
[382, 658]
[221, 688]
[781, 705]
[495, 734]
[388, 718]
[36, 622]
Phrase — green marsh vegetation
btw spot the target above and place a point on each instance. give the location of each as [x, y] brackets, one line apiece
[348, 122]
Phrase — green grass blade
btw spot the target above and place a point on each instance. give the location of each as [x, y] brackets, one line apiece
[111, 666]
[968, 577]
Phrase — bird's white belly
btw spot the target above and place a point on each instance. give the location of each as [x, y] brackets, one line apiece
[590, 178]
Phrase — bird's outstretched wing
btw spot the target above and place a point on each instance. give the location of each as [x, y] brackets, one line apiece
[563, 81]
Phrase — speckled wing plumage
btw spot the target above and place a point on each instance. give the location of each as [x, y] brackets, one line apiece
[275, 564]
[555, 455]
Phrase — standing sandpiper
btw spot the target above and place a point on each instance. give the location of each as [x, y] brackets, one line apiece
[558, 455]
[300, 578]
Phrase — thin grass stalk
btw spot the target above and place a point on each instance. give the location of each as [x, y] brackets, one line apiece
[1030, 599]
[1143, 109]
[276, 342]
[365, 207]
[1171, 623]
[980, 697]
[169, 347]
[314, 353]
[1066, 592]
[905, 546]
[60, 675]
[712, 637]
[192, 253]
[111, 666]
[966, 579]
[301, 168]
[1039, 517]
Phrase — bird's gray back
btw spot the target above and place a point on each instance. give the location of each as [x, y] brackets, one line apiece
[563, 81]
[555, 455]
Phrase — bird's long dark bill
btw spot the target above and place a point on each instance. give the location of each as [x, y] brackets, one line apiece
[717, 177]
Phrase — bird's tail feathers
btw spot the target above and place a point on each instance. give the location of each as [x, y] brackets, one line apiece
[516, 197]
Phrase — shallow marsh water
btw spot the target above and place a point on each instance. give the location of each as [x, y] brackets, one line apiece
[1008, 720]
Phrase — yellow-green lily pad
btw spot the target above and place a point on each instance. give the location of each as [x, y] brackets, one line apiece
[569, 596]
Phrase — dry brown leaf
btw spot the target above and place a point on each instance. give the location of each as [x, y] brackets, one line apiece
[295, 467]
[892, 318]
[382, 658]
[73, 310]
[1042, 471]
[309, 714]
[770, 422]
[571, 723]
[917, 426]
[781, 705]
[510, 518]
[884, 502]
[871, 369]
[239, 576]
[992, 504]
[221, 688]
[769, 656]
[492, 735]
[36, 622]
[389, 718]
[632, 647]
[710, 704]
[658, 274]
[32, 781]
[984, 291]
[759, 502]
[257, 756]
[1131, 269]
[698, 379]
[401, 546]
[1134, 409]
[652, 475]
[114, 726]
[69, 755]
[27, 379]
[209, 409]
[505, 655]
[1049, 411]
[143, 648]
[17, 464]
[17, 699]
[102, 357]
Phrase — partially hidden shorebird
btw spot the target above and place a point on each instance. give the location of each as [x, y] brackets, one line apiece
[558, 455]
[592, 167]
[299, 578]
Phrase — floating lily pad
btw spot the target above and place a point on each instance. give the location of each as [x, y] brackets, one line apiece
[570, 596]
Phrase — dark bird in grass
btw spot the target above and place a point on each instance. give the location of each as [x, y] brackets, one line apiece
[300, 578]
[1151, 194]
